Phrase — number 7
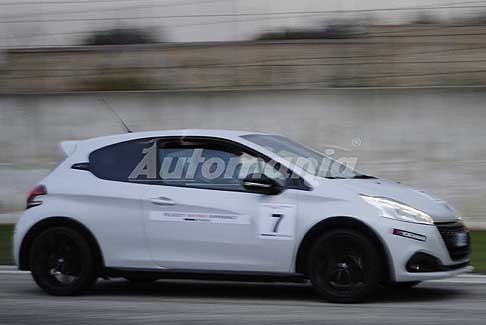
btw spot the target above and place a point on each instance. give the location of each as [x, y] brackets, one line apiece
[277, 224]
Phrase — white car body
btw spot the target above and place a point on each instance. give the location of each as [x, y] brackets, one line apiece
[217, 230]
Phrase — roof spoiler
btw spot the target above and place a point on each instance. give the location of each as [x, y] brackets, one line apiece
[68, 147]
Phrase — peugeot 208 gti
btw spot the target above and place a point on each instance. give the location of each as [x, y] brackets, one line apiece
[242, 205]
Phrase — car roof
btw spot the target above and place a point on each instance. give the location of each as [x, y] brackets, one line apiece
[98, 142]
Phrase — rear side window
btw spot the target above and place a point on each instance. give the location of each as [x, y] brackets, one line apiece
[116, 162]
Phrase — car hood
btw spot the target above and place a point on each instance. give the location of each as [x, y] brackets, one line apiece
[438, 209]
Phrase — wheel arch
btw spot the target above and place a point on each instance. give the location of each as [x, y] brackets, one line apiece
[341, 222]
[39, 227]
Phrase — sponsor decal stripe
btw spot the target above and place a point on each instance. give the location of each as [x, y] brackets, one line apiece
[409, 234]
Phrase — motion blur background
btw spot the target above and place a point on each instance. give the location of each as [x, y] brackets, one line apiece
[399, 84]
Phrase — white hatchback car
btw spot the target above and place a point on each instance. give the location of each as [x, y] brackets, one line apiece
[217, 204]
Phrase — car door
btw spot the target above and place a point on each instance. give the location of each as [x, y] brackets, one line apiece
[199, 216]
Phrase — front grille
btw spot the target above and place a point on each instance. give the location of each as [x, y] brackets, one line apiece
[450, 232]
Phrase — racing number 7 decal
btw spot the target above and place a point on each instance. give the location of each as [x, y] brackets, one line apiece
[277, 221]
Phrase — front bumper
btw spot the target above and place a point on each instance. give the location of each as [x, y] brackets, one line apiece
[436, 275]
[430, 243]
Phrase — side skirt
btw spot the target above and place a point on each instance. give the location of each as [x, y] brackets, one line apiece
[206, 275]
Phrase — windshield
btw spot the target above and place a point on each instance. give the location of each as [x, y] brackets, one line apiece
[313, 162]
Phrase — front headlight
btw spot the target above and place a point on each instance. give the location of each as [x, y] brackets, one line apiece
[398, 211]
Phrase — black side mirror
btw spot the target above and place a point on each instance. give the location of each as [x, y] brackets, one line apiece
[259, 183]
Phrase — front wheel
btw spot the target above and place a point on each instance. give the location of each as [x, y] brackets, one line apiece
[344, 266]
[61, 262]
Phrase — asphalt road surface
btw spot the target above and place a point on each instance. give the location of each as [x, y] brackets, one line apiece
[460, 301]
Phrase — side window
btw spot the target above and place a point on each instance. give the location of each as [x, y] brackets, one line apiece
[206, 164]
[117, 162]
[190, 162]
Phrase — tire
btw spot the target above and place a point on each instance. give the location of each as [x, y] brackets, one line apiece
[402, 285]
[344, 266]
[62, 262]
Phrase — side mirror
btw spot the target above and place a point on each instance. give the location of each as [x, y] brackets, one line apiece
[259, 183]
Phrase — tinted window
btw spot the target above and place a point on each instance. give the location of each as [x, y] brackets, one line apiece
[206, 163]
[206, 166]
[191, 162]
[117, 162]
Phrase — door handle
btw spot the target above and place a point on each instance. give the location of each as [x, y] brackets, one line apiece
[162, 201]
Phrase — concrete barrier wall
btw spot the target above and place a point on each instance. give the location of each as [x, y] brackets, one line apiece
[432, 139]
[388, 56]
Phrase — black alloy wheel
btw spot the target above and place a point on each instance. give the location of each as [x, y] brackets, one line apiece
[62, 262]
[345, 266]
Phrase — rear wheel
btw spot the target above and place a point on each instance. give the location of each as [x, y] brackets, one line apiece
[62, 262]
[344, 266]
